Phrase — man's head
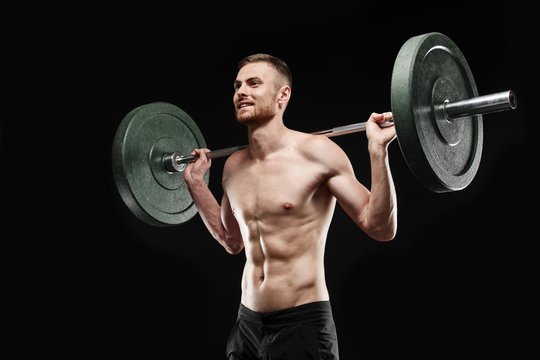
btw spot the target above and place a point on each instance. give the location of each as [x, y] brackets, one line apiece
[262, 88]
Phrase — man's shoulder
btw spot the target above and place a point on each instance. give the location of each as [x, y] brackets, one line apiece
[319, 147]
[235, 159]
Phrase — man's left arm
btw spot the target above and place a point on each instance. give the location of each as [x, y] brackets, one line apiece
[381, 212]
[375, 211]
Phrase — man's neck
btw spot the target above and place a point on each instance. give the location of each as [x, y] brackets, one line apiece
[266, 138]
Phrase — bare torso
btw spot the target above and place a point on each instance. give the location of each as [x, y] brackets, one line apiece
[280, 193]
[284, 208]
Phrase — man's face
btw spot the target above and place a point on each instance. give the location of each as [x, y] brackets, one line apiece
[255, 93]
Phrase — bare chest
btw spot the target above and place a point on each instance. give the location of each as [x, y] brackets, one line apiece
[273, 188]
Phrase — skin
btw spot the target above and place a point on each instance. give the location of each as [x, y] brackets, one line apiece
[279, 195]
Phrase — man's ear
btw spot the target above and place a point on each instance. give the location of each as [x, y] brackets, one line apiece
[284, 94]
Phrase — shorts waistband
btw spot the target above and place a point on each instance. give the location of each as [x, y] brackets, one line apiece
[304, 312]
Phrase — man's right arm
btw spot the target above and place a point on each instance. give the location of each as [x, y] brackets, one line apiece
[219, 220]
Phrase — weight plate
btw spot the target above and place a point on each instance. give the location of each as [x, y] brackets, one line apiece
[444, 155]
[145, 134]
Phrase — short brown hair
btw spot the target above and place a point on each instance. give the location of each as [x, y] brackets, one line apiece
[277, 63]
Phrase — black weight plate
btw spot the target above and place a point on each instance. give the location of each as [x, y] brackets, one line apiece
[444, 155]
[145, 134]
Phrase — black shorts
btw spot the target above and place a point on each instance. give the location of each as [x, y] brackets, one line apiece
[302, 332]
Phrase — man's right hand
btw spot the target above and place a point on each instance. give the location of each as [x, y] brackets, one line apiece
[194, 172]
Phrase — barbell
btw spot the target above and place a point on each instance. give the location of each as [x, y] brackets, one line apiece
[436, 110]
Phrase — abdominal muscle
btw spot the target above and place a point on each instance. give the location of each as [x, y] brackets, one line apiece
[285, 269]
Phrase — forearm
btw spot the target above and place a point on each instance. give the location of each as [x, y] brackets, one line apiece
[209, 210]
[381, 212]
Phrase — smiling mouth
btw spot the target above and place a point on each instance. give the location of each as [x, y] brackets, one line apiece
[243, 105]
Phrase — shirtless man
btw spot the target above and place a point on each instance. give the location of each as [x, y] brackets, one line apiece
[279, 196]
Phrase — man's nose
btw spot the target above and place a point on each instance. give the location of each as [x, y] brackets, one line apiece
[242, 91]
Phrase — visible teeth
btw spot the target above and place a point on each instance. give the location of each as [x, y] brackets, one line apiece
[244, 105]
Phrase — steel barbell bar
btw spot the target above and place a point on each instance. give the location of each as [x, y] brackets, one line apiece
[453, 111]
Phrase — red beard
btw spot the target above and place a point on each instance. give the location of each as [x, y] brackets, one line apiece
[258, 113]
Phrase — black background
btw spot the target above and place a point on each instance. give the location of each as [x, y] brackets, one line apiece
[87, 277]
